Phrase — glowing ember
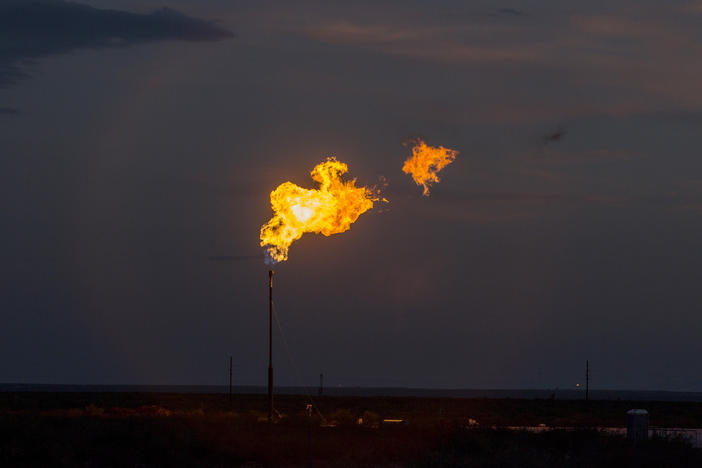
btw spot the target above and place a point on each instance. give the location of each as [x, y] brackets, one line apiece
[426, 161]
[331, 209]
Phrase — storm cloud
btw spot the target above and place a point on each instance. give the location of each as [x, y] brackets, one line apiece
[30, 30]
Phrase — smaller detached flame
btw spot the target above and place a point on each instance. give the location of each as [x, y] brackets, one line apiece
[426, 161]
[330, 209]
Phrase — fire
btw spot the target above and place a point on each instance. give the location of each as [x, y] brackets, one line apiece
[426, 161]
[330, 209]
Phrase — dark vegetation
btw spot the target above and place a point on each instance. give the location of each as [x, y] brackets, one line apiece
[159, 429]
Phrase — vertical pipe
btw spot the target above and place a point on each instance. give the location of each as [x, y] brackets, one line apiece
[309, 435]
[270, 346]
[587, 380]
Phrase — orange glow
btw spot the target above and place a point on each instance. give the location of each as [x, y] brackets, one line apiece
[426, 161]
[330, 209]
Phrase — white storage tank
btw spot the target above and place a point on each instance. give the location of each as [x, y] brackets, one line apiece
[637, 424]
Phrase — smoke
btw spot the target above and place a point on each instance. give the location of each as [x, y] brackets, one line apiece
[268, 258]
[426, 161]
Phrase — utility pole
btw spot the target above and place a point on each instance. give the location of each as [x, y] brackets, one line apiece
[321, 384]
[270, 346]
[230, 380]
[587, 380]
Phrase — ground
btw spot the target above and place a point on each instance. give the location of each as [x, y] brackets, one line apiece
[161, 429]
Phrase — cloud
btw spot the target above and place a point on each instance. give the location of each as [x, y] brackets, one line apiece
[693, 7]
[9, 111]
[510, 12]
[30, 30]
[683, 116]
[435, 43]
[689, 207]
[575, 61]
[613, 26]
[579, 156]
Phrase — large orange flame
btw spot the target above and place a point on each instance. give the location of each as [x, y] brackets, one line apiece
[426, 161]
[331, 209]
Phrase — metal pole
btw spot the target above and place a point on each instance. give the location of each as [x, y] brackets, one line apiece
[270, 346]
[309, 435]
[587, 380]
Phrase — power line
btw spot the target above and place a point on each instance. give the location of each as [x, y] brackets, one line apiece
[298, 376]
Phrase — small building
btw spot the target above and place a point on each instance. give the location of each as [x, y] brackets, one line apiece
[637, 424]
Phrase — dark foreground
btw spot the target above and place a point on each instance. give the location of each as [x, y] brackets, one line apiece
[138, 429]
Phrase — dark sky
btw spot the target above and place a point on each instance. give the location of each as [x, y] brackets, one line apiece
[136, 143]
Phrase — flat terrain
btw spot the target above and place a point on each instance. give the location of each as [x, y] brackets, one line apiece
[186, 429]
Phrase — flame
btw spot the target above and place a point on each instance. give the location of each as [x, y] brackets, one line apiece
[330, 209]
[426, 161]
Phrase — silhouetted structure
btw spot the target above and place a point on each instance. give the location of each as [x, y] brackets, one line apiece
[637, 424]
[321, 384]
[230, 380]
[587, 380]
[270, 346]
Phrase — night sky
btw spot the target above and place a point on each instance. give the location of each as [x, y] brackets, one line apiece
[139, 146]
